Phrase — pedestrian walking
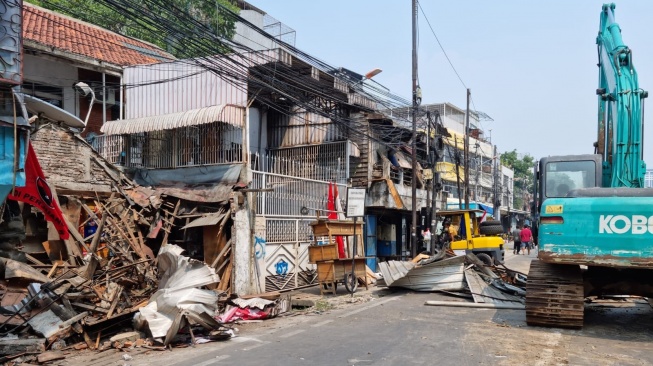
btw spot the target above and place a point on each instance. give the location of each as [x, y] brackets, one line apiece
[516, 237]
[426, 238]
[526, 238]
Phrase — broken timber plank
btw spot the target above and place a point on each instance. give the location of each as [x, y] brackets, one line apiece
[127, 239]
[221, 254]
[33, 260]
[117, 294]
[98, 234]
[13, 346]
[73, 250]
[226, 277]
[90, 307]
[167, 230]
[15, 269]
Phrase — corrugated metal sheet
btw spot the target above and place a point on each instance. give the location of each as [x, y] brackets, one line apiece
[358, 99]
[486, 293]
[179, 86]
[208, 220]
[217, 113]
[444, 275]
[302, 128]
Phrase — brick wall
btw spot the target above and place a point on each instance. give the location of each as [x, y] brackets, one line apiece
[65, 158]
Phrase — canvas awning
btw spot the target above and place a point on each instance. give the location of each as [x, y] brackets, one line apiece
[230, 114]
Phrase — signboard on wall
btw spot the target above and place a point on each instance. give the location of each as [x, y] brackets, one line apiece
[11, 47]
[355, 202]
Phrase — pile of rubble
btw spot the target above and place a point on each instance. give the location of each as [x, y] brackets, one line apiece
[110, 282]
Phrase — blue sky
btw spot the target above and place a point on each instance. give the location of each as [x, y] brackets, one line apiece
[531, 65]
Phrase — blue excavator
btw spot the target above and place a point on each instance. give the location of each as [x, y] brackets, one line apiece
[594, 217]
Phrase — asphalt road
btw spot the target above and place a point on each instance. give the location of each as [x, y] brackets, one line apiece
[398, 329]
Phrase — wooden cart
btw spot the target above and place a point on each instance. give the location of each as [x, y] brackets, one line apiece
[330, 273]
[332, 270]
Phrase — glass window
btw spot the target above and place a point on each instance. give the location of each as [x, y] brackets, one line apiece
[49, 93]
[563, 176]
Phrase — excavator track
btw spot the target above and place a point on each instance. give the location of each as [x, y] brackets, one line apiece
[554, 295]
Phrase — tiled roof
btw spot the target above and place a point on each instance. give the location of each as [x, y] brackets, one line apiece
[75, 36]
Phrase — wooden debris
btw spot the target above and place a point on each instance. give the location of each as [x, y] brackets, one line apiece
[50, 356]
[31, 345]
[90, 285]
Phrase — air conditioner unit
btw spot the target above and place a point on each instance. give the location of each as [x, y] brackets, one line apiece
[99, 95]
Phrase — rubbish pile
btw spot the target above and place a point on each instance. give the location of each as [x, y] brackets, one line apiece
[110, 282]
[497, 287]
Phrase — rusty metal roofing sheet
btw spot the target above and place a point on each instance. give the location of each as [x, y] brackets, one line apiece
[218, 113]
[487, 293]
[216, 193]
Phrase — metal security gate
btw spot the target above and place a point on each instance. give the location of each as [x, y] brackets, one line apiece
[283, 234]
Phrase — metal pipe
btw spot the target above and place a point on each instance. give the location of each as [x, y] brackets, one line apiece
[606, 126]
[120, 113]
[104, 98]
[641, 146]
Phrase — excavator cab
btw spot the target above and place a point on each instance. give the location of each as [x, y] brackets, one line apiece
[556, 176]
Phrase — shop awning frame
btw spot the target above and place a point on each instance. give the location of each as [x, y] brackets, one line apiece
[230, 114]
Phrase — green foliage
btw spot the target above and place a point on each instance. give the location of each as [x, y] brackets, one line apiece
[179, 43]
[523, 168]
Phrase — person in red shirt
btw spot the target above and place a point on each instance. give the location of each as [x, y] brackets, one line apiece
[526, 238]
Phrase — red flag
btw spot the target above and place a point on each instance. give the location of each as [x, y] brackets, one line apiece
[484, 217]
[331, 205]
[38, 194]
[339, 239]
[333, 215]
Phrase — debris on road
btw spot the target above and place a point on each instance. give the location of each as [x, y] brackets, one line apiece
[493, 286]
[254, 308]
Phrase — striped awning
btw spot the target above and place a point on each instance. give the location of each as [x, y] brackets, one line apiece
[232, 115]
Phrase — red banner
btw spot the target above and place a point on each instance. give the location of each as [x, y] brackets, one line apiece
[38, 194]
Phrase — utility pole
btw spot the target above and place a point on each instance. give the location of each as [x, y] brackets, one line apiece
[413, 226]
[428, 157]
[466, 148]
[457, 157]
[479, 169]
[497, 189]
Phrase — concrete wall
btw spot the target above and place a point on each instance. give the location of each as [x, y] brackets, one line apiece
[51, 72]
[242, 254]
[246, 36]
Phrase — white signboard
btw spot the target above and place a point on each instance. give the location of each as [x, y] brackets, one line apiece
[355, 202]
